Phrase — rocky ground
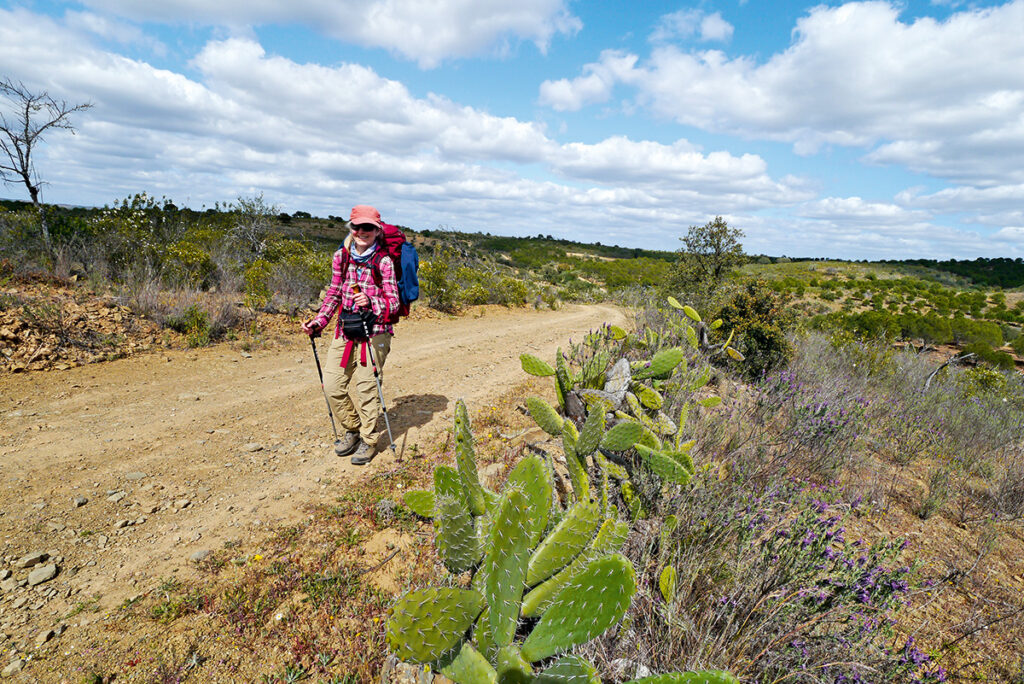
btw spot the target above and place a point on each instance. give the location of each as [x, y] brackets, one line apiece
[117, 476]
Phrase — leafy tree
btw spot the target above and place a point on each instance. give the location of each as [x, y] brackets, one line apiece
[709, 252]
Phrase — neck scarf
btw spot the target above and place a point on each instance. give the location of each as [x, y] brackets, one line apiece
[363, 258]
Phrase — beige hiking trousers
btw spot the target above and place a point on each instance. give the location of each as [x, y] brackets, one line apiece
[352, 391]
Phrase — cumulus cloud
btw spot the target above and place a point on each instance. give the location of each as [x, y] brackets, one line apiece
[691, 23]
[945, 98]
[425, 32]
[250, 121]
[595, 85]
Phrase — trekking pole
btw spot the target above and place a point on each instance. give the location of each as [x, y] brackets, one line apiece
[330, 414]
[380, 391]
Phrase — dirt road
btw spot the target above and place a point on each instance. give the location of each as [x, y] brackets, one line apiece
[122, 472]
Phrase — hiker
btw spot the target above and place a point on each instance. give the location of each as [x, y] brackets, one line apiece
[367, 294]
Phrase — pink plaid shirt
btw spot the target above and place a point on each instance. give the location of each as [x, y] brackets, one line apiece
[341, 292]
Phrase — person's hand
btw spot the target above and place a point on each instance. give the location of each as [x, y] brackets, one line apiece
[361, 300]
[311, 327]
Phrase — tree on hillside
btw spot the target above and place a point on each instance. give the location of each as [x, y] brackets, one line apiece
[709, 252]
[32, 116]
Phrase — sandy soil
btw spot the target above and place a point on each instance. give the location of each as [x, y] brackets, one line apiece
[180, 452]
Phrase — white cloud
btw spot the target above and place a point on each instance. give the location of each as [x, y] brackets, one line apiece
[689, 23]
[255, 122]
[595, 85]
[857, 210]
[945, 98]
[114, 30]
[425, 32]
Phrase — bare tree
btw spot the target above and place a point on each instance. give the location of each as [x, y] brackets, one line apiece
[33, 114]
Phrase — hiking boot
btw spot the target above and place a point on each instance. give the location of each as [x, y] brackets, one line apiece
[364, 454]
[347, 444]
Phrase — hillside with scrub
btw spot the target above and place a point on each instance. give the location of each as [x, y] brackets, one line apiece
[615, 464]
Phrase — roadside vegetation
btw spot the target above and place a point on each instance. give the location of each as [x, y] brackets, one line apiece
[818, 468]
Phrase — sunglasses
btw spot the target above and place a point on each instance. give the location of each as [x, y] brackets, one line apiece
[363, 228]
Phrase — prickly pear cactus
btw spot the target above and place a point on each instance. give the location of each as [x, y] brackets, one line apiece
[465, 458]
[427, 623]
[420, 502]
[532, 563]
[570, 669]
[665, 466]
[531, 477]
[534, 366]
[595, 600]
[545, 416]
[568, 538]
[456, 541]
[505, 566]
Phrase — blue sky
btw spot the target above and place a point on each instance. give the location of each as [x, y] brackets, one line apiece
[850, 130]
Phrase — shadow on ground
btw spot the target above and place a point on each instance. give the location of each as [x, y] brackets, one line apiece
[413, 411]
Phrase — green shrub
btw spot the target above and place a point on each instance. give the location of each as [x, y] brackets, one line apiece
[760, 320]
[437, 278]
[195, 324]
[257, 286]
[986, 354]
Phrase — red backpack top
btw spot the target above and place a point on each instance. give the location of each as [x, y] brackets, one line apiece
[399, 249]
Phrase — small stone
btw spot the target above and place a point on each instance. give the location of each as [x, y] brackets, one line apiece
[199, 556]
[31, 559]
[252, 446]
[246, 355]
[79, 501]
[45, 636]
[116, 497]
[4, 574]
[182, 503]
[18, 603]
[135, 476]
[42, 574]
[14, 668]
[122, 524]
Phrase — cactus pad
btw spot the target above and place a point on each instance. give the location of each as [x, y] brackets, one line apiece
[512, 668]
[664, 466]
[448, 482]
[622, 436]
[456, 539]
[614, 470]
[545, 416]
[590, 435]
[532, 477]
[595, 600]
[574, 463]
[648, 397]
[534, 366]
[505, 565]
[420, 502]
[662, 364]
[569, 537]
[570, 669]
[470, 667]
[667, 583]
[703, 677]
[427, 623]
[609, 538]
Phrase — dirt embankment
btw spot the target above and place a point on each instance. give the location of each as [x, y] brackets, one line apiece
[121, 473]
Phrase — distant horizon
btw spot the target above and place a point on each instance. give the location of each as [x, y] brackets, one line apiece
[592, 243]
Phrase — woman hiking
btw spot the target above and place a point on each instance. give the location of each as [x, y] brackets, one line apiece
[363, 286]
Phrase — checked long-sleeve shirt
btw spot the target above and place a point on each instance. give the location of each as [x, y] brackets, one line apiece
[342, 292]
